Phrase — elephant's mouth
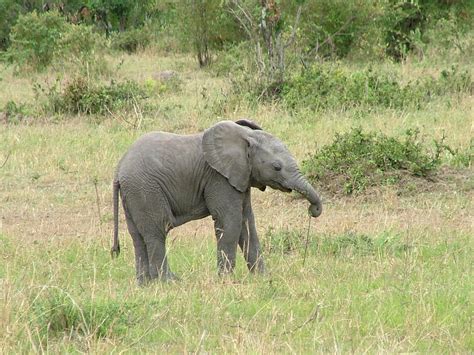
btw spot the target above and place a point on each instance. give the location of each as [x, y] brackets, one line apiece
[280, 187]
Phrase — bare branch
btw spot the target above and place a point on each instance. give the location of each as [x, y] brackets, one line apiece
[295, 27]
[329, 39]
[241, 22]
[249, 25]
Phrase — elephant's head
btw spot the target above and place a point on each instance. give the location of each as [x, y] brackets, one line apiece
[250, 157]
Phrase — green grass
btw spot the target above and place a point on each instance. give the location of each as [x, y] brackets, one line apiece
[383, 272]
[387, 294]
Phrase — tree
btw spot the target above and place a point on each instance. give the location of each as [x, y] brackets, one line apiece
[207, 27]
[264, 26]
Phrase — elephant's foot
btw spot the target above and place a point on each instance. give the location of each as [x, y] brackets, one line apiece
[169, 277]
[143, 280]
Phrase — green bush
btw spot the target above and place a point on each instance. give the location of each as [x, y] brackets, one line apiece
[81, 97]
[15, 112]
[357, 160]
[79, 42]
[35, 39]
[332, 86]
[402, 20]
[132, 40]
[39, 39]
[328, 28]
[82, 50]
[9, 12]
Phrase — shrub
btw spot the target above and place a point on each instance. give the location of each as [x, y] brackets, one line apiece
[403, 19]
[328, 28]
[15, 112]
[79, 42]
[163, 82]
[80, 96]
[9, 12]
[357, 160]
[331, 86]
[208, 26]
[132, 40]
[40, 39]
[35, 38]
[83, 48]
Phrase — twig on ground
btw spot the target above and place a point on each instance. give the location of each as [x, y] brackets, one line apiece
[6, 159]
[314, 316]
[307, 240]
[97, 199]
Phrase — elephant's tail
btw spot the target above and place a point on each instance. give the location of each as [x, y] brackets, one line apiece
[115, 251]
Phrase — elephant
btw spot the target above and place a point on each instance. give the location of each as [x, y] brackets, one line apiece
[166, 180]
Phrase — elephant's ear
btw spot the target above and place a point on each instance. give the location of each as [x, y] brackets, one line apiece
[226, 149]
[248, 123]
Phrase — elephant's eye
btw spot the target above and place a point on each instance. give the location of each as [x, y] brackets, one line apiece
[276, 166]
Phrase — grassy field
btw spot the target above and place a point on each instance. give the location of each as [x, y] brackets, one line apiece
[384, 272]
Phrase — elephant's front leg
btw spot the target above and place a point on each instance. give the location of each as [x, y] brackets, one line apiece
[248, 241]
[225, 204]
[227, 230]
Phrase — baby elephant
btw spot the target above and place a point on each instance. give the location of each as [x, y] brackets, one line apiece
[166, 180]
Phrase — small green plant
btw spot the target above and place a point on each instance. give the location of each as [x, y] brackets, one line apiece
[280, 241]
[15, 112]
[357, 160]
[82, 97]
[165, 82]
[462, 158]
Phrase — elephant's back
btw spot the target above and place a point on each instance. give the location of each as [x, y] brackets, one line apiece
[161, 153]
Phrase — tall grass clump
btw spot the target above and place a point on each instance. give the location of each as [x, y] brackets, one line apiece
[54, 312]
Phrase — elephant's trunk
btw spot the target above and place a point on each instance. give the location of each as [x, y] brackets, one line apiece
[301, 185]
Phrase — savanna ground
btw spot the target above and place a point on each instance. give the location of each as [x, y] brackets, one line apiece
[383, 271]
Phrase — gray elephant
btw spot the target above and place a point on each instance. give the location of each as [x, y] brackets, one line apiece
[166, 180]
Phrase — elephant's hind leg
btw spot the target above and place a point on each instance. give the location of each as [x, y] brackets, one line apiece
[151, 217]
[156, 247]
[141, 255]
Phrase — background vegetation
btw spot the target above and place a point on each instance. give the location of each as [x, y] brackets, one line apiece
[375, 99]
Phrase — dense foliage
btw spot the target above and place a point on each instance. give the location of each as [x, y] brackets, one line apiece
[323, 28]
